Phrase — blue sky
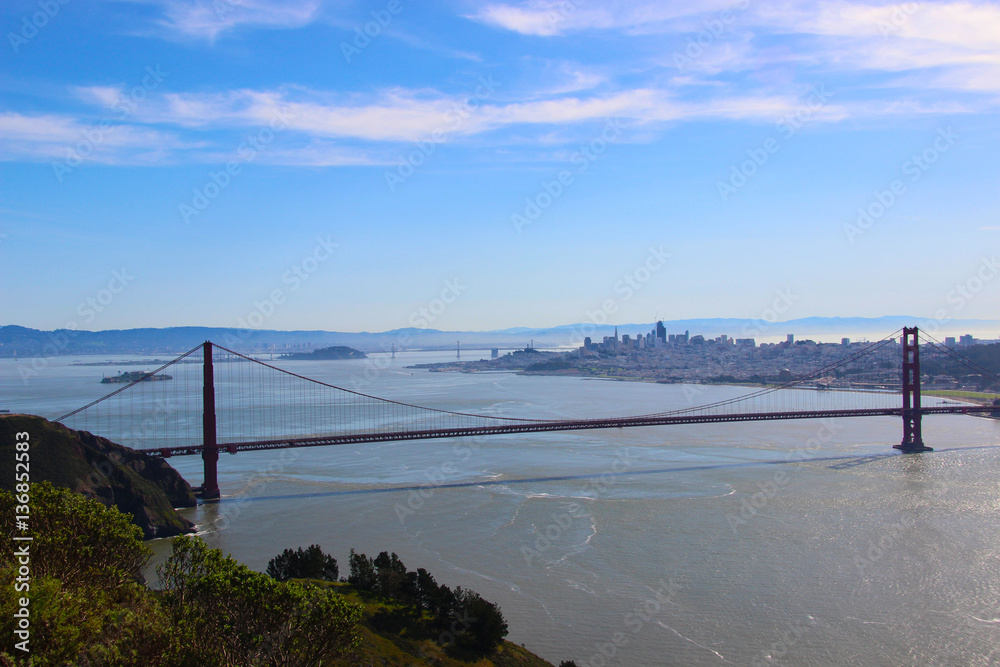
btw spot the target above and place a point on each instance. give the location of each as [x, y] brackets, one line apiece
[342, 165]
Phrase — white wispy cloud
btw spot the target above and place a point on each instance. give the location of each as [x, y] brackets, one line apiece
[319, 153]
[838, 35]
[56, 137]
[106, 96]
[751, 73]
[411, 115]
[404, 115]
[935, 45]
[321, 128]
[548, 18]
[561, 77]
[207, 19]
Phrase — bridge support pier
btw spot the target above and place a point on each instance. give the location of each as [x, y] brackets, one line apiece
[210, 451]
[912, 438]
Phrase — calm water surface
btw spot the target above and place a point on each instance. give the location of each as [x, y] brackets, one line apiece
[781, 543]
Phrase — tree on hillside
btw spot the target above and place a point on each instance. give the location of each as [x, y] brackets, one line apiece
[391, 576]
[362, 571]
[310, 563]
[79, 540]
[484, 625]
[88, 602]
[426, 589]
[461, 616]
[235, 615]
[445, 607]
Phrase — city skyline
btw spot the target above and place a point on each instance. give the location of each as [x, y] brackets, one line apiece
[351, 166]
[31, 343]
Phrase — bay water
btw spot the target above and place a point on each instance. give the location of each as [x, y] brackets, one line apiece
[805, 542]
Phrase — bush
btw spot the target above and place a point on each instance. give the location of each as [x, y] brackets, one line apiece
[88, 604]
[237, 616]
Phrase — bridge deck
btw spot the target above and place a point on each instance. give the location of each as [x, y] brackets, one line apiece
[559, 425]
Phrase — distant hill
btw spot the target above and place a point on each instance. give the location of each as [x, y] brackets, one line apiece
[327, 354]
[136, 483]
[30, 343]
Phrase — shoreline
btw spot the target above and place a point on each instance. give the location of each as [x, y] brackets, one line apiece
[956, 395]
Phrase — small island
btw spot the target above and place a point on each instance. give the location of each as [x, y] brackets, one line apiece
[326, 354]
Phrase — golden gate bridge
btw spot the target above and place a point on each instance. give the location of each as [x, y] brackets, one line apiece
[240, 400]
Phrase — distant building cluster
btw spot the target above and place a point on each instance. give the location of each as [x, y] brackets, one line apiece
[966, 340]
[687, 358]
[658, 338]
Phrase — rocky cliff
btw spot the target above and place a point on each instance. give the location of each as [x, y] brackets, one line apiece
[138, 484]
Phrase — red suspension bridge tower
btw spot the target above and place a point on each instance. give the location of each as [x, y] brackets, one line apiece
[912, 439]
[210, 453]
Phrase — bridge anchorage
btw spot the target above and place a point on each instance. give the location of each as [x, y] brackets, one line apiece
[243, 402]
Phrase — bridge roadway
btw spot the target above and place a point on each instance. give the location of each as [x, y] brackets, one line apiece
[559, 425]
